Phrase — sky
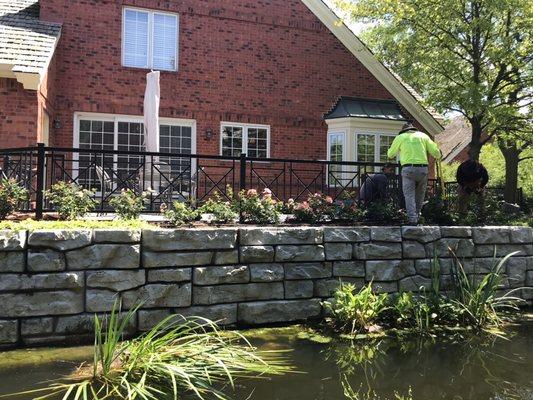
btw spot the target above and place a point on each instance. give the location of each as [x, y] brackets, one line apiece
[357, 28]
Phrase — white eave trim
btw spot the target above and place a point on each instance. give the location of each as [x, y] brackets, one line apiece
[372, 64]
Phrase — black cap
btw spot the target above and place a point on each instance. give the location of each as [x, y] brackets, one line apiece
[408, 126]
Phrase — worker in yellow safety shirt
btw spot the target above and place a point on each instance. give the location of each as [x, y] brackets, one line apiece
[414, 147]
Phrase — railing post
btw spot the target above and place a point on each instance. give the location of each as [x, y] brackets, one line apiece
[39, 194]
[243, 172]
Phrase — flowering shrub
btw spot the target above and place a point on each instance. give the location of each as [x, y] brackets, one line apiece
[384, 211]
[317, 208]
[128, 205]
[71, 201]
[258, 208]
[180, 214]
[348, 211]
[221, 211]
[11, 194]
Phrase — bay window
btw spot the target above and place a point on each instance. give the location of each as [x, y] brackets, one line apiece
[336, 149]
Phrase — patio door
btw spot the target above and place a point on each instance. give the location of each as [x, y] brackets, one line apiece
[126, 133]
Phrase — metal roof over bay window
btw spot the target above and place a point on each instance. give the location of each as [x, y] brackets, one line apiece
[352, 107]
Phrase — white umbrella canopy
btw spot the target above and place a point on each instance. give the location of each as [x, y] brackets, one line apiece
[151, 111]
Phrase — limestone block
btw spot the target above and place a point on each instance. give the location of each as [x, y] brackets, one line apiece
[8, 331]
[12, 261]
[37, 326]
[97, 300]
[516, 270]
[45, 261]
[189, 239]
[12, 240]
[355, 269]
[60, 240]
[390, 270]
[461, 248]
[166, 260]
[226, 257]
[116, 280]
[41, 303]
[385, 287]
[413, 250]
[415, 283]
[300, 253]
[205, 295]
[325, 288]
[159, 295]
[117, 236]
[338, 251]
[378, 251]
[221, 274]
[521, 234]
[257, 254]
[65, 280]
[84, 323]
[299, 289]
[308, 271]
[485, 250]
[266, 272]
[386, 234]
[347, 234]
[483, 265]
[170, 275]
[529, 279]
[456, 232]
[422, 234]
[424, 267]
[277, 236]
[150, 318]
[101, 256]
[491, 235]
[267, 312]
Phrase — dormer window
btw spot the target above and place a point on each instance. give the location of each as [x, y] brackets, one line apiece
[150, 39]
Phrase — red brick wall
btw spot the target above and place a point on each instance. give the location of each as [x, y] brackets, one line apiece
[269, 62]
[18, 115]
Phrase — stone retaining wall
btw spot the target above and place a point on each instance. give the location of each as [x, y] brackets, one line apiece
[53, 282]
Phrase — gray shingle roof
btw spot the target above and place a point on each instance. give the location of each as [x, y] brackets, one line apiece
[366, 108]
[26, 43]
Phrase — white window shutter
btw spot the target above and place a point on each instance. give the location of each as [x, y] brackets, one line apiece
[165, 42]
[136, 34]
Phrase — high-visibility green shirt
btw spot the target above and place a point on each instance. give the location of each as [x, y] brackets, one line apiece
[414, 147]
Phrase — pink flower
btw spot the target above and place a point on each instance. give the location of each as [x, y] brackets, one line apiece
[267, 193]
[251, 192]
[329, 200]
[290, 202]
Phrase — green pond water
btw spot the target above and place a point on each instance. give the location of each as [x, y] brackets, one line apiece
[478, 367]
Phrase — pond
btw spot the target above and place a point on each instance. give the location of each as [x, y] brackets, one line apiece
[477, 368]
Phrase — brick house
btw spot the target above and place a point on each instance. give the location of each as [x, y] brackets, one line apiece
[276, 78]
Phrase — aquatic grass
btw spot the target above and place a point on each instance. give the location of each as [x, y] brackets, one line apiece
[178, 356]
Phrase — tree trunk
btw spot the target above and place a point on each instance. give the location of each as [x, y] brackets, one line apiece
[475, 144]
[512, 159]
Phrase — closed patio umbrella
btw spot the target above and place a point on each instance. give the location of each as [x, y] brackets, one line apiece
[151, 111]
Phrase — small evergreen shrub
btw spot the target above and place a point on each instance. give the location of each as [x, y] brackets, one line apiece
[258, 208]
[128, 205]
[180, 214]
[221, 211]
[70, 200]
[11, 194]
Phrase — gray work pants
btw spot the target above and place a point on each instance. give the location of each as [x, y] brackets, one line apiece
[414, 182]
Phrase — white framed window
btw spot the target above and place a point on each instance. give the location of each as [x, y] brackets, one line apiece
[373, 148]
[253, 140]
[126, 133]
[150, 39]
[336, 152]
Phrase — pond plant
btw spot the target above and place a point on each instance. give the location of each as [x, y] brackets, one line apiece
[178, 358]
[11, 194]
[70, 200]
[471, 303]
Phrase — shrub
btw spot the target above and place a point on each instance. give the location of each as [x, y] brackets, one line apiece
[180, 214]
[222, 211]
[356, 311]
[384, 211]
[70, 200]
[11, 194]
[317, 208]
[258, 208]
[128, 205]
[348, 211]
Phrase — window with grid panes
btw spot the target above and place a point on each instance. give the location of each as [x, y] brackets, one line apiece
[249, 139]
[336, 153]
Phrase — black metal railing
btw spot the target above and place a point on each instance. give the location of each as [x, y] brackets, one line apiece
[169, 177]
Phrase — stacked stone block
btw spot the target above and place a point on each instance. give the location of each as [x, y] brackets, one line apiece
[52, 283]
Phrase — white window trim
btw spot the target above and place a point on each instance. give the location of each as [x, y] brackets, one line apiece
[151, 37]
[377, 136]
[344, 153]
[245, 128]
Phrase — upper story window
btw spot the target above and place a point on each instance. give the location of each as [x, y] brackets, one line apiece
[150, 39]
[254, 140]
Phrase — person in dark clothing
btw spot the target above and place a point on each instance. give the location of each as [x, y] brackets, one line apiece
[472, 178]
[375, 186]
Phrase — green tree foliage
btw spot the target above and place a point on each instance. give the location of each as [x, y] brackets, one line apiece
[469, 56]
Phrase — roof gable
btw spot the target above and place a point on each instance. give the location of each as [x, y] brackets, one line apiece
[387, 78]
